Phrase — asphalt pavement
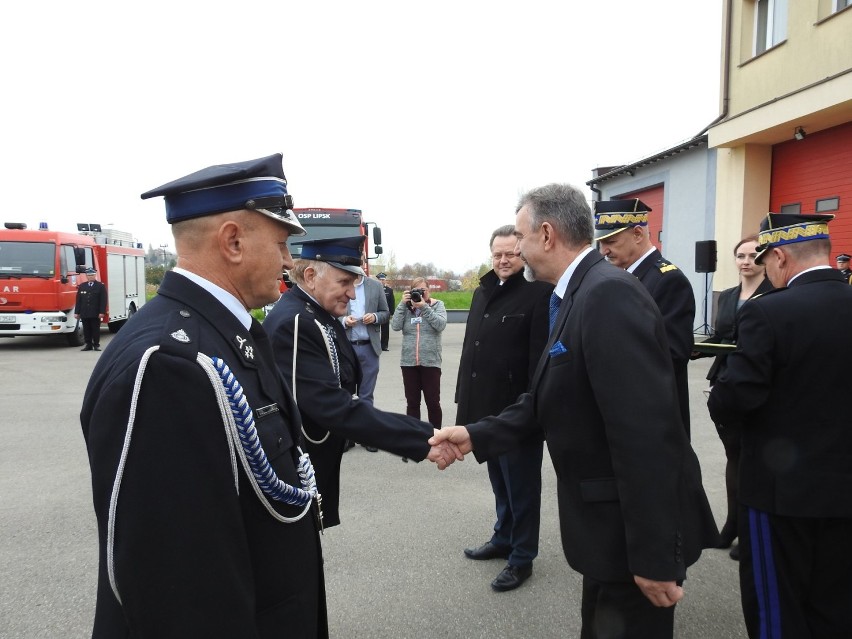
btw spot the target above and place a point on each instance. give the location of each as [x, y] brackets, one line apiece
[394, 567]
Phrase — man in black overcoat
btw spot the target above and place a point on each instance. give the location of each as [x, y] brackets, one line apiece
[632, 511]
[391, 300]
[784, 387]
[90, 309]
[192, 542]
[503, 340]
[309, 339]
[621, 227]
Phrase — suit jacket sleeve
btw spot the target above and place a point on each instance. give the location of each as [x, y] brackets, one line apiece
[676, 302]
[102, 301]
[382, 312]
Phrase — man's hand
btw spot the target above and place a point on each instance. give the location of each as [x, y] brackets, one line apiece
[458, 440]
[368, 318]
[350, 321]
[662, 594]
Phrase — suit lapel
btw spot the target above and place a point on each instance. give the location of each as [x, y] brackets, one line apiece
[583, 267]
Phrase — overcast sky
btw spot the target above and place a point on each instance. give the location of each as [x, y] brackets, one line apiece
[430, 117]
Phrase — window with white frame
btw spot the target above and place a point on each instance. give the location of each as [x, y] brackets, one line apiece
[841, 4]
[770, 24]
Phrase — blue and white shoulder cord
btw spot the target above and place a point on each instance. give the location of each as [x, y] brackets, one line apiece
[238, 420]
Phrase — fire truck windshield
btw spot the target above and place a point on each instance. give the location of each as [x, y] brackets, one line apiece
[322, 233]
[27, 259]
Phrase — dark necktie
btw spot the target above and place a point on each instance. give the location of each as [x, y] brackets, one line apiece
[555, 301]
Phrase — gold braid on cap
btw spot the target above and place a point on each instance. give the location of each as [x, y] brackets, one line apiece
[623, 218]
[795, 233]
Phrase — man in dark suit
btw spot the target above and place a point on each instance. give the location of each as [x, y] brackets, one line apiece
[633, 513]
[784, 387]
[503, 340]
[390, 298]
[194, 540]
[90, 309]
[315, 356]
[621, 227]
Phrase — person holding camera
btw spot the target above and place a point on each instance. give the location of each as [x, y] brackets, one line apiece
[421, 320]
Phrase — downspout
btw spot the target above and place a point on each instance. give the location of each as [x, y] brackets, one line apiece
[726, 71]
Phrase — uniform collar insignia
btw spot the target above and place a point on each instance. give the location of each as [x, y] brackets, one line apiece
[246, 349]
[181, 336]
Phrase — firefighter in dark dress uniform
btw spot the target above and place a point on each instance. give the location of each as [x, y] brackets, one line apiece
[207, 510]
[785, 387]
[309, 339]
[621, 227]
[90, 309]
[843, 266]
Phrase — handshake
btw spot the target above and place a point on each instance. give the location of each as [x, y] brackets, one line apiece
[448, 445]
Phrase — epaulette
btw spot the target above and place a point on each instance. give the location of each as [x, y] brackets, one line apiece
[180, 335]
[665, 266]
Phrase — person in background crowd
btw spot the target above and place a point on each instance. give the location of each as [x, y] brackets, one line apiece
[633, 513]
[843, 266]
[621, 227]
[421, 320]
[316, 357]
[503, 340]
[785, 386]
[192, 542]
[90, 309]
[753, 282]
[391, 301]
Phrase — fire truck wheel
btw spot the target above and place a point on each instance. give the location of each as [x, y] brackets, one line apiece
[76, 337]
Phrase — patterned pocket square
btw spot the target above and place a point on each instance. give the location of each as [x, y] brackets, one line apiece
[557, 349]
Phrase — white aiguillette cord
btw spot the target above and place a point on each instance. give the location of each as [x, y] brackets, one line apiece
[332, 358]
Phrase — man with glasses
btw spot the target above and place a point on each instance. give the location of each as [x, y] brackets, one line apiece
[505, 335]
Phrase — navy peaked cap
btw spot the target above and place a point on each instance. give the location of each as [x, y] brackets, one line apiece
[257, 185]
[843, 257]
[779, 229]
[613, 216]
[341, 252]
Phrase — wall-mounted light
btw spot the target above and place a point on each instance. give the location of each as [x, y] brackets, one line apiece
[799, 134]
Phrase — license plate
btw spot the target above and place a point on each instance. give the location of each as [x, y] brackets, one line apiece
[7, 319]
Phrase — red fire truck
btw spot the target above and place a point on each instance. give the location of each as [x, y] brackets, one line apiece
[325, 223]
[40, 271]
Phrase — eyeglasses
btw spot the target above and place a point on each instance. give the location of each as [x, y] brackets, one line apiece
[498, 257]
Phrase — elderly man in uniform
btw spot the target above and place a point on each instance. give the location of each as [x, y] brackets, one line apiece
[504, 337]
[621, 227]
[206, 508]
[784, 387]
[90, 308]
[314, 354]
[632, 511]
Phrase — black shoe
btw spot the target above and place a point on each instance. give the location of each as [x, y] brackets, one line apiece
[487, 551]
[385, 349]
[735, 552]
[511, 577]
[371, 449]
[87, 348]
[97, 348]
[405, 459]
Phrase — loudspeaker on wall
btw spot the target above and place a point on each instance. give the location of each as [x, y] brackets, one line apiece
[705, 256]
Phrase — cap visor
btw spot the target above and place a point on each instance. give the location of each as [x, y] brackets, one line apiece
[357, 270]
[605, 233]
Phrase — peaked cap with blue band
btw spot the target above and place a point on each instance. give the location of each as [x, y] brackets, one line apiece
[613, 216]
[778, 229]
[341, 252]
[257, 185]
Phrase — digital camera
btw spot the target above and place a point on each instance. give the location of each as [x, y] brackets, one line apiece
[416, 294]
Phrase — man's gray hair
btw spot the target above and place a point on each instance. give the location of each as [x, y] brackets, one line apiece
[504, 231]
[565, 207]
[297, 273]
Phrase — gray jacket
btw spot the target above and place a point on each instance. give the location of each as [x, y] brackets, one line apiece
[421, 340]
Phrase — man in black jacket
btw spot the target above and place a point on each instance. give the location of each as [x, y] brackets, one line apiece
[504, 337]
[621, 227]
[89, 308]
[207, 516]
[784, 387]
[391, 300]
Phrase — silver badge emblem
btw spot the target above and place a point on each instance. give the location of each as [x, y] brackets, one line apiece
[180, 336]
[241, 341]
[249, 352]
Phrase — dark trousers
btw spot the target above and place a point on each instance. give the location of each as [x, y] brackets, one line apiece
[91, 330]
[516, 481]
[425, 379]
[730, 437]
[795, 576]
[619, 610]
[385, 332]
